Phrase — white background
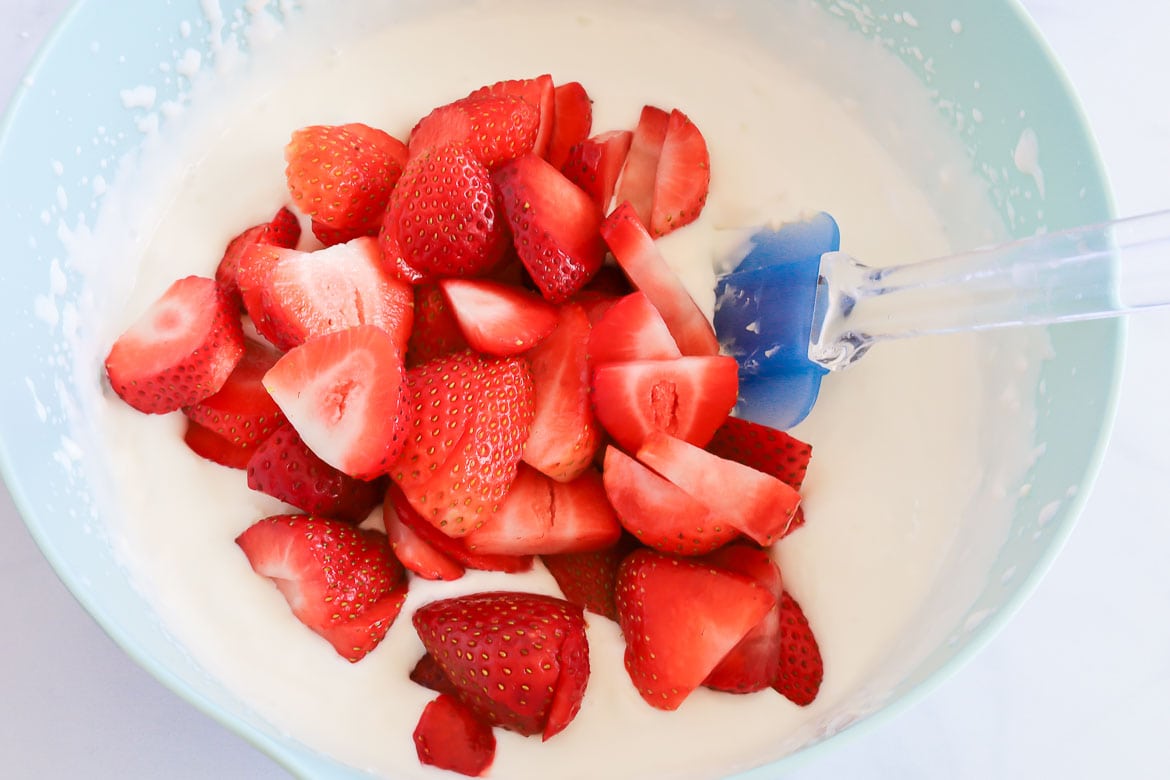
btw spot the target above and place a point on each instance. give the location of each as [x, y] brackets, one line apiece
[1077, 686]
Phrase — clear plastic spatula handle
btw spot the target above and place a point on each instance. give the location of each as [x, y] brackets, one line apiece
[1086, 273]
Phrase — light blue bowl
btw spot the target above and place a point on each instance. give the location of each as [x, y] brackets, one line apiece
[989, 58]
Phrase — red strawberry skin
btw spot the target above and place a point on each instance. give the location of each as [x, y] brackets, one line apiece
[494, 128]
[595, 164]
[587, 579]
[284, 230]
[428, 674]
[538, 92]
[800, 670]
[242, 412]
[449, 736]
[436, 332]
[764, 449]
[213, 447]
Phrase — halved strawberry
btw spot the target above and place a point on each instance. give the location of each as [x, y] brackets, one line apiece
[450, 736]
[416, 553]
[538, 654]
[242, 411]
[657, 512]
[215, 448]
[494, 128]
[436, 332]
[682, 178]
[801, 670]
[345, 394]
[565, 433]
[181, 350]
[313, 293]
[498, 319]
[636, 253]
[283, 467]
[587, 579]
[680, 618]
[554, 226]
[341, 177]
[751, 664]
[595, 164]
[686, 397]
[636, 185]
[572, 121]
[256, 262]
[539, 92]
[284, 230]
[342, 582]
[631, 329]
[757, 504]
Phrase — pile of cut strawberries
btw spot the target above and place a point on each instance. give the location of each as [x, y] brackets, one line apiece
[474, 341]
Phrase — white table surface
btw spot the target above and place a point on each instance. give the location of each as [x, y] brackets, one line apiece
[1077, 686]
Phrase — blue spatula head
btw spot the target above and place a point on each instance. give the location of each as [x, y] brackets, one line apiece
[763, 317]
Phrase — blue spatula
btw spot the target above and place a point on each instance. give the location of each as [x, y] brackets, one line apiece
[796, 307]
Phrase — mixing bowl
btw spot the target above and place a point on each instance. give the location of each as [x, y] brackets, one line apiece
[98, 93]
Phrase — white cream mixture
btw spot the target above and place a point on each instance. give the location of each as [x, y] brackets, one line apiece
[900, 442]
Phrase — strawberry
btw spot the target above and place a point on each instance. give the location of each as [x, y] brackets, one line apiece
[341, 582]
[680, 618]
[657, 512]
[635, 252]
[565, 434]
[687, 397]
[444, 212]
[181, 350]
[416, 553]
[242, 411]
[587, 579]
[393, 261]
[449, 736]
[442, 399]
[636, 185]
[284, 468]
[313, 293]
[345, 394]
[215, 448]
[538, 92]
[256, 262]
[631, 329]
[595, 164]
[498, 319]
[534, 677]
[436, 332]
[428, 674]
[572, 121]
[801, 670]
[341, 176]
[284, 230]
[751, 501]
[682, 178]
[751, 664]
[609, 282]
[493, 128]
[554, 226]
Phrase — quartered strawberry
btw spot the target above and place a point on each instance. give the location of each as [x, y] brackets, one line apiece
[449, 736]
[554, 226]
[256, 262]
[534, 677]
[436, 332]
[631, 329]
[572, 121]
[801, 670]
[215, 448]
[682, 178]
[342, 582]
[429, 674]
[687, 397]
[538, 92]
[755, 503]
[595, 164]
[494, 128]
[498, 319]
[636, 253]
[341, 176]
[242, 412]
[751, 664]
[313, 293]
[762, 448]
[680, 618]
[285, 468]
[587, 579]
[416, 553]
[181, 350]
[284, 230]
[444, 213]
[565, 434]
[636, 185]
[345, 394]
[657, 512]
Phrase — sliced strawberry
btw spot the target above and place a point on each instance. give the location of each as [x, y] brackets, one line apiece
[242, 411]
[683, 176]
[636, 253]
[680, 618]
[498, 319]
[445, 215]
[494, 128]
[314, 293]
[345, 394]
[595, 164]
[436, 331]
[215, 448]
[416, 553]
[657, 512]
[429, 674]
[565, 434]
[757, 504]
[762, 448]
[572, 121]
[587, 579]
[636, 185]
[340, 581]
[514, 685]
[341, 177]
[751, 664]
[801, 669]
[631, 329]
[686, 397]
[284, 230]
[554, 226]
[449, 736]
[181, 350]
[256, 263]
[538, 92]
[285, 468]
